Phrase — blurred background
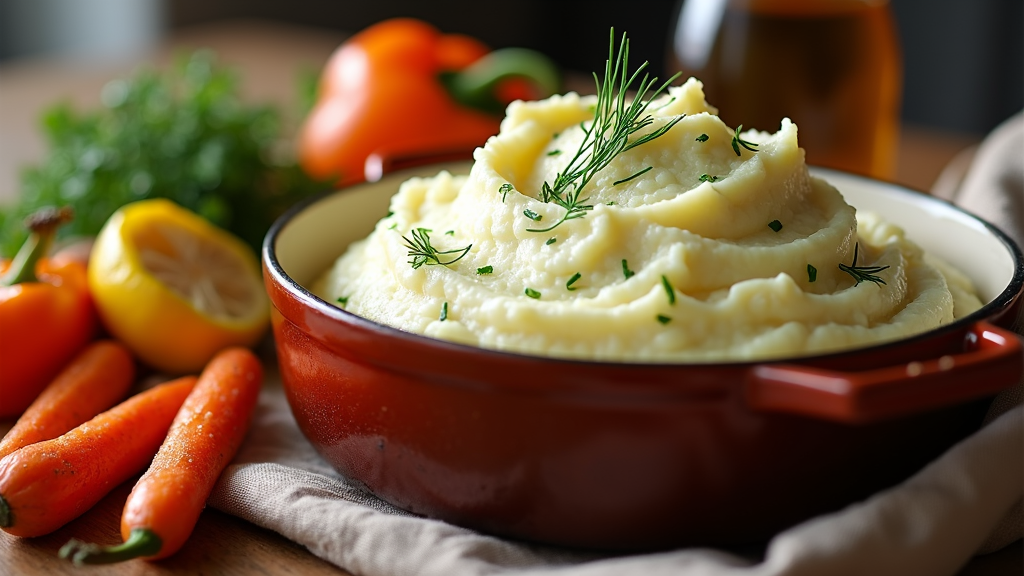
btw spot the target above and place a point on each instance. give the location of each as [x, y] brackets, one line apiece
[963, 60]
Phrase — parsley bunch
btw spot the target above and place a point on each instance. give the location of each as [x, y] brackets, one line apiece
[185, 136]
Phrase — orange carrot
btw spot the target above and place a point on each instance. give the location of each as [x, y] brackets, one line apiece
[45, 485]
[165, 504]
[94, 381]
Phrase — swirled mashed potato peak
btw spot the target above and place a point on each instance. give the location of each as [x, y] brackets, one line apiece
[701, 244]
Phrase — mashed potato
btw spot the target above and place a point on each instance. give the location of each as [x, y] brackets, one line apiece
[695, 248]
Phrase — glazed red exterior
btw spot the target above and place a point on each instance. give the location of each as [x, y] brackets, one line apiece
[626, 456]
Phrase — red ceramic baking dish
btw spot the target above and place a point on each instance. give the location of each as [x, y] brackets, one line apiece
[633, 456]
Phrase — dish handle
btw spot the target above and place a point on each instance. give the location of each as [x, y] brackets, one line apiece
[992, 361]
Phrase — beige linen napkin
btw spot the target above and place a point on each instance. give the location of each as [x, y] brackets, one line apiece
[931, 524]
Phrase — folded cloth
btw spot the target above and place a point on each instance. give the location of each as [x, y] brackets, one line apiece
[967, 501]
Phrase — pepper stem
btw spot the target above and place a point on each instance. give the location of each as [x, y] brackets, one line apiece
[42, 226]
[141, 542]
[475, 86]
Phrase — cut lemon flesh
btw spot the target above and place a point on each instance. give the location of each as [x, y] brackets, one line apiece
[174, 288]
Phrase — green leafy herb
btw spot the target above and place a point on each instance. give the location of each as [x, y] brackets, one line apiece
[532, 293]
[554, 153]
[185, 135]
[702, 138]
[575, 277]
[532, 215]
[668, 290]
[504, 189]
[485, 269]
[550, 241]
[775, 225]
[737, 142]
[444, 312]
[706, 178]
[812, 273]
[343, 300]
[663, 319]
[422, 252]
[862, 273]
[615, 121]
[640, 173]
[625, 269]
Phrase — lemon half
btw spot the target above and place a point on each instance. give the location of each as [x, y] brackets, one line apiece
[175, 288]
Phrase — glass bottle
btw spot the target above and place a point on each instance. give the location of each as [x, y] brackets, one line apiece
[833, 66]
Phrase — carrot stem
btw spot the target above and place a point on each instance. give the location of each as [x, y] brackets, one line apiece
[141, 542]
[43, 226]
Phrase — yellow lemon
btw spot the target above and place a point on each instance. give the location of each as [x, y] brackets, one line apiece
[175, 288]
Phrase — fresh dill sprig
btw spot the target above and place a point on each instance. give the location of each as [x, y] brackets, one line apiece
[615, 121]
[637, 175]
[422, 252]
[554, 153]
[862, 273]
[737, 142]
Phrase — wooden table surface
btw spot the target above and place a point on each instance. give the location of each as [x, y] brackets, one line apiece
[269, 57]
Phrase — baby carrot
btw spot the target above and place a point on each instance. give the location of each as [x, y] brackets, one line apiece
[94, 381]
[47, 484]
[165, 504]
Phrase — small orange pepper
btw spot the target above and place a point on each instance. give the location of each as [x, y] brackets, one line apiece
[46, 314]
[400, 88]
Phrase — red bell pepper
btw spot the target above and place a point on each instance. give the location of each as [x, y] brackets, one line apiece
[46, 314]
[402, 88]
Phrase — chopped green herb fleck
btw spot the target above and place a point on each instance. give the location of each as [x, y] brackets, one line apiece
[551, 241]
[668, 290]
[706, 178]
[393, 226]
[444, 312]
[702, 138]
[343, 300]
[390, 214]
[737, 142]
[640, 173]
[575, 277]
[504, 189]
[532, 293]
[612, 203]
[450, 233]
[625, 269]
[532, 215]
[485, 269]
[664, 319]
[554, 153]
[775, 225]
[812, 273]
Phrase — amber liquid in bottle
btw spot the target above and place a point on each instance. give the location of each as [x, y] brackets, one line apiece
[832, 66]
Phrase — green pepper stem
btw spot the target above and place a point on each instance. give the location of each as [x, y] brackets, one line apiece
[141, 542]
[43, 227]
[475, 85]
